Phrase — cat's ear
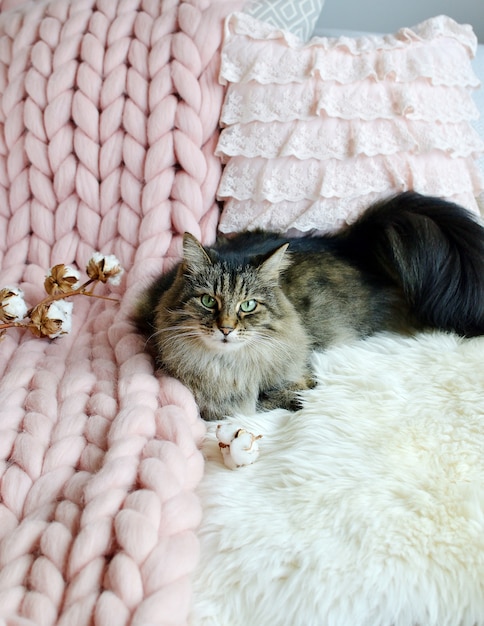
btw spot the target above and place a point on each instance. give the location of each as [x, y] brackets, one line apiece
[194, 254]
[276, 263]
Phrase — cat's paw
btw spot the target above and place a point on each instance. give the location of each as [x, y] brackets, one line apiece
[280, 399]
[287, 397]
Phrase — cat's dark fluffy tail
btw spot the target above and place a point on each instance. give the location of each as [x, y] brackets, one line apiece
[434, 249]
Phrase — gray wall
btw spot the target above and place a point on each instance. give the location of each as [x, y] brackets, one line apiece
[385, 16]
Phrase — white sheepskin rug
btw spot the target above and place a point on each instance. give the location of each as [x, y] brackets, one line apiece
[366, 507]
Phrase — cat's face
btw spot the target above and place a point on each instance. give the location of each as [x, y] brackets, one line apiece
[227, 305]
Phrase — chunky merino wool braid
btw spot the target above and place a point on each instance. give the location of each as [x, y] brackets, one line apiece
[108, 122]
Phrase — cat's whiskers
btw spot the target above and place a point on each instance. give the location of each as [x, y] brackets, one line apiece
[173, 338]
[171, 335]
[260, 342]
[175, 328]
[209, 336]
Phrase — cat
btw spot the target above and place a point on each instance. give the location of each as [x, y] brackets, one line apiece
[236, 322]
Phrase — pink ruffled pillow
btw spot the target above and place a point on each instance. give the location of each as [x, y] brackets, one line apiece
[315, 133]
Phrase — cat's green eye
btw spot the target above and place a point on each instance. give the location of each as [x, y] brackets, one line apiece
[208, 301]
[248, 306]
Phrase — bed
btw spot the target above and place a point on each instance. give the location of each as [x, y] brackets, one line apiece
[367, 506]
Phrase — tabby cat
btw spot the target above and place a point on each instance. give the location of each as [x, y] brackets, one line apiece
[236, 322]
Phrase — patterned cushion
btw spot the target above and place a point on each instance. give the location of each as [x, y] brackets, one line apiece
[298, 16]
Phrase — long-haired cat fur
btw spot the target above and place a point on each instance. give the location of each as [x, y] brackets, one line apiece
[235, 322]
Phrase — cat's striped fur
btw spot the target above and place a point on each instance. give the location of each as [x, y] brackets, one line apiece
[236, 322]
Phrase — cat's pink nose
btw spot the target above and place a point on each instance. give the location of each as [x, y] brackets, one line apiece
[226, 330]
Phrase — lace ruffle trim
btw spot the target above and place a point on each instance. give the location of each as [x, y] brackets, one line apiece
[294, 180]
[435, 50]
[324, 215]
[364, 100]
[329, 138]
[240, 23]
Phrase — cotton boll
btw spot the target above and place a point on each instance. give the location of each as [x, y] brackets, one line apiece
[61, 279]
[227, 457]
[12, 304]
[226, 432]
[105, 268]
[238, 446]
[244, 449]
[60, 312]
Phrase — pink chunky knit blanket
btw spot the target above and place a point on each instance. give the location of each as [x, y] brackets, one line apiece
[108, 122]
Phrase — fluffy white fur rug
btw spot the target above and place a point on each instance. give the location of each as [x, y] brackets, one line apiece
[365, 508]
